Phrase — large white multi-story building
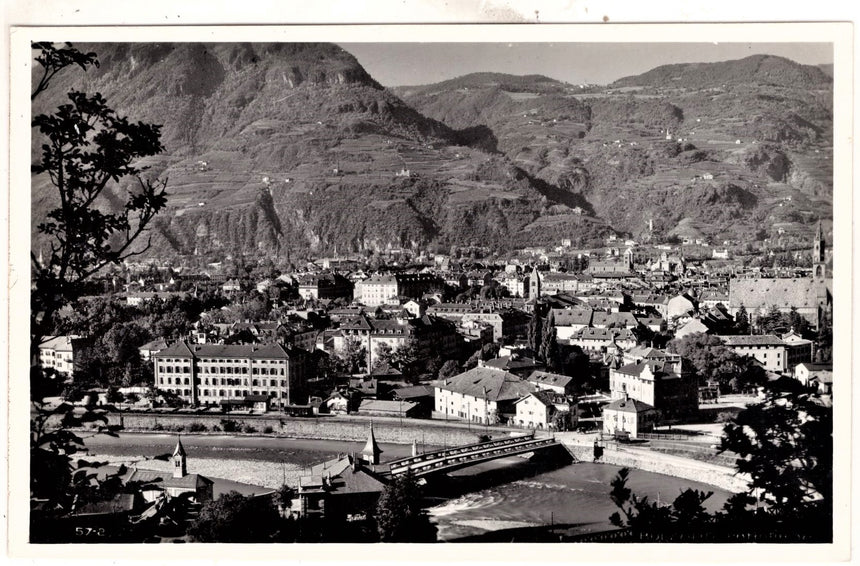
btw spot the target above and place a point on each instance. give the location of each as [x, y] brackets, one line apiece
[206, 374]
[385, 289]
[774, 353]
[58, 353]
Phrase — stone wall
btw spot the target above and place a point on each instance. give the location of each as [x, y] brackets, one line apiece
[385, 429]
[695, 470]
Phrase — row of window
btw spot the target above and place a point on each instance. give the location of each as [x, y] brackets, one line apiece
[225, 381]
[222, 393]
[220, 361]
[223, 369]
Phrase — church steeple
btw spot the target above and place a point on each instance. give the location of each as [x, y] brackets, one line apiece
[819, 269]
[180, 469]
[371, 449]
[534, 284]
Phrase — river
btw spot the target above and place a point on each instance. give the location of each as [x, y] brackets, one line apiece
[507, 493]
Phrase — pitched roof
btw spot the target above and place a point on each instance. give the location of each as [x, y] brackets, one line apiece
[189, 481]
[257, 351]
[753, 340]
[414, 392]
[607, 318]
[547, 378]
[628, 406]
[570, 317]
[762, 293]
[58, 343]
[604, 334]
[487, 383]
[512, 363]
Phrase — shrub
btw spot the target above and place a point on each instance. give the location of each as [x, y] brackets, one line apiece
[248, 429]
[157, 426]
[268, 430]
[229, 425]
[197, 427]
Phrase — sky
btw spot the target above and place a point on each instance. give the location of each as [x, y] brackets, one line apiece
[400, 64]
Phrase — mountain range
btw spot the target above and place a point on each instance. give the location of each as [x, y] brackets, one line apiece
[291, 150]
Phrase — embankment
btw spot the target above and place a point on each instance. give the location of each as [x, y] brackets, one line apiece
[646, 460]
[350, 428]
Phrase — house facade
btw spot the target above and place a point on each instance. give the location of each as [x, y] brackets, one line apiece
[628, 417]
[207, 374]
[483, 395]
[771, 351]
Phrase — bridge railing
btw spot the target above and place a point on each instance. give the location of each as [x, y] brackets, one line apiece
[458, 450]
[477, 453]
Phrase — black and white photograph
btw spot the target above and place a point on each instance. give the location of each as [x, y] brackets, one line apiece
[377, 291]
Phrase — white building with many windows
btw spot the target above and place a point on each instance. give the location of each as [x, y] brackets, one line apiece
[207, 374]
[58, 353]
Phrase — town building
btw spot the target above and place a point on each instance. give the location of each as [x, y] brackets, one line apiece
[557, 383]
[545, 410]
[181, 482]
[629, 418]
[514, 363]
[774, 353]
[58, 353]
[810, 296]
[431, 336]
[382, 289]
[483, 395]
[599, 339]
[325, 286]
[815, 375]
[207, 374]
[666, 384]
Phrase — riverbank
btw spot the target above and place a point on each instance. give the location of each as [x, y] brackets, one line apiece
[657, 462]
[424, 433]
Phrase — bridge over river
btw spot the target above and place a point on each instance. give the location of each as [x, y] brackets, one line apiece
[450, 459]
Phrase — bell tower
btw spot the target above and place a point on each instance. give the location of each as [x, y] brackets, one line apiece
[180, 470]
[534, 284]
[819, 270]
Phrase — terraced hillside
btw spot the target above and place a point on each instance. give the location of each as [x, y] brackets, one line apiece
[727, 147]
[293, 148]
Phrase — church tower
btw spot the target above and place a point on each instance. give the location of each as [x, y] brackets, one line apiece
[180, 469]
[534, 284]
[819, 270]
[371, 450]
[628, 258]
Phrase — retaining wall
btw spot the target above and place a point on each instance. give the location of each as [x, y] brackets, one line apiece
[717, 476]
[323, 428]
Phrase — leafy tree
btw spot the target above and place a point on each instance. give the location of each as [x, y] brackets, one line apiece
[449, 368]
[406, 358]
[768, 322]
[85, 147]
[534, 332]
[648, 519]
[549, 352]
[383, 356]
[354, 356]
[710, 357]
[742, 321]
[785, 445]
[399, 516]
[234, 518]
[114, 396]
[824, 339]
